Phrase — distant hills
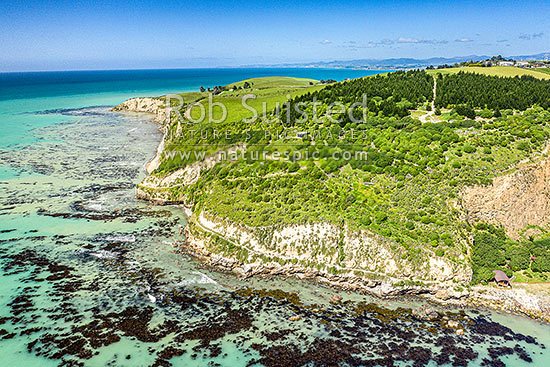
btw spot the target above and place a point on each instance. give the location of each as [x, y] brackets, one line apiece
[407, 63]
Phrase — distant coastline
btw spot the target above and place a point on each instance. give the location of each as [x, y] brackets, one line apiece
[402, 63]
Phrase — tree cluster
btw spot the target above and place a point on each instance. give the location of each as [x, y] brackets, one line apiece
[491, 251]
[393, 94]
[482, 91]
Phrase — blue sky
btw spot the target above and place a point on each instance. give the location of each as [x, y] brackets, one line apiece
[63, 35]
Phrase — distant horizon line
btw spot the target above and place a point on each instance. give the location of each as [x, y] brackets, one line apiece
[304, 64]
[267, 66]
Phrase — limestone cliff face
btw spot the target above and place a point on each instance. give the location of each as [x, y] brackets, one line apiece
[515, 200]
[324, 247]
[158, 189]
[146, 105]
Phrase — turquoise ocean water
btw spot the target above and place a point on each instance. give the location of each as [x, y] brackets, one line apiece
[89, 276]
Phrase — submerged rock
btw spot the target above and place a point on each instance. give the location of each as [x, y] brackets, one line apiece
[453, 324]
[431, 314]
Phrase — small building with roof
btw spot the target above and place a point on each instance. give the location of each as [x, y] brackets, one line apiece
[502, 279]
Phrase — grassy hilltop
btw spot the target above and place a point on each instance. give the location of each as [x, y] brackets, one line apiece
[502, 71]
[408, 188]
[268, 90]
[275, 82]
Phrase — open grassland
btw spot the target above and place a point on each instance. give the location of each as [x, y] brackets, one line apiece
[207, 114]
[506, 71]
[275, 82]
[193, 97]
[266, 92]
[545, 71]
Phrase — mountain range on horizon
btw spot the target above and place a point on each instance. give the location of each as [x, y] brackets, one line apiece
[404, 62]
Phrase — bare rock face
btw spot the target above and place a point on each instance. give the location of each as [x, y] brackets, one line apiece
[443, 295]
[145, 105]
[431, 314]
[370, 264]
[156, 188]
[452, 324]
[515, 200]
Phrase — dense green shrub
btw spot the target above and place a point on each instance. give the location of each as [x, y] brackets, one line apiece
[486, 255]
[466, 111]
[541, 253]
[469, 149]
[486, 114]
[541, 263]
[518, 256]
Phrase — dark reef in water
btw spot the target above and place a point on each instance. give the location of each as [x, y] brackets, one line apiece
[86, 111]
[271, 327]
[350, 333]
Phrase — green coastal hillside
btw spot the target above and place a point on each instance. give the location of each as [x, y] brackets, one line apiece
[274, 82]
[502, 71]
[260, 94]
[382, 163]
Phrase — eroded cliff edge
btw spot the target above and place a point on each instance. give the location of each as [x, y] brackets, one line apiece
[519, 201]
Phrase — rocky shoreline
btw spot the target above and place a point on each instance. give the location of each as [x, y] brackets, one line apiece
[516, 301]
[148, 105]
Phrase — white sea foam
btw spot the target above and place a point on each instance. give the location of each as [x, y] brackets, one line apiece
[202, 279]
[102, 254]
[121, 238]
[96, 207]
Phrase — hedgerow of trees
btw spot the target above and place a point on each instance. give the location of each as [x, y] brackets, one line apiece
[393, 94]
[493, 92]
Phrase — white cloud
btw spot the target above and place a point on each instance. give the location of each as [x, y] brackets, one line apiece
[527, 37]
[407, 40]
[420, 41]
[354, 46]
